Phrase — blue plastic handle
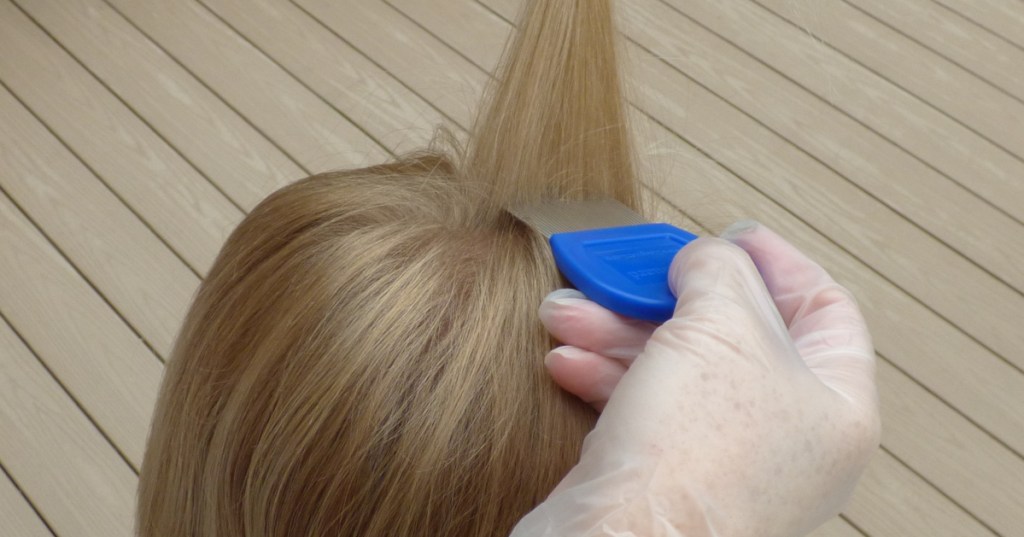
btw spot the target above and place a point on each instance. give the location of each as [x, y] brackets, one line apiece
[624, 269]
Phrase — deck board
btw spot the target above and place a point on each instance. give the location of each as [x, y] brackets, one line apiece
[153, 179]
[369, 95]
[20, 520]
[82, 341]
[61, 462]
[169, 99]
[906, 337]
[130, 266]
[933, 79]
[896, 114]
[315, 135]
[1001, 17]
[932, 201]
[954, 37]
[121, 174]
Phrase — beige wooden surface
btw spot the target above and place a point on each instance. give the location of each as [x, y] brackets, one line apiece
[884, 138]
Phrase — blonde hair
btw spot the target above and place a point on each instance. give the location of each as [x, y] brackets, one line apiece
[365, 357]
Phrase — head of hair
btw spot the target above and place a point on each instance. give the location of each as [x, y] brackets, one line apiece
[365, 355]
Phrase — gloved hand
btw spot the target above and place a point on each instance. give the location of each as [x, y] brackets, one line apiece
[752, 412]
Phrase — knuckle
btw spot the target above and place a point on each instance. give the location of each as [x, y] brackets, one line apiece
[709, 252]
[712, 247]
[834, 295]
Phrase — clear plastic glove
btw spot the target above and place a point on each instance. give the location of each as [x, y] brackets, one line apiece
[752, 412]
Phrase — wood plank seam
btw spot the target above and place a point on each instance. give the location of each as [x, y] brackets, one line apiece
[937, 52]
[903, 61]
[1006, 168]
[859, 187]
[49, 34]
[859, 121]
[129, 107]
[940, 491]
[226, 102]
[78, 467]
[199, 80]
[420, 25]
[994, 342]
[782, 103]
[951, 117]
[881, 355]
[798, 217]
[3, 470]
[84, 162]
[1004, 357]
[859, 529]
[187, 193]
[67, 392]
[953, 407]
[845, 113]
[212, 91]
[950, 407]
[374, 61]
[77, 270]
[273, 60]
[830, 239]
[385, 148]
[98, 177]
[978, 24]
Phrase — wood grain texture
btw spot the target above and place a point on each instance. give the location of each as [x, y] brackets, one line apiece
[891, 500]
[169, 98]
[954, 36]
[304, 126]
[396, 116]
[100, 362]
[905, 333]
[19, 520]
[122, 258]
[962, 461]
[864, 226]
[148, 174]
[61, 462]
[882, 169]
[932, 78]
[1001, 17]
[136, 133]
[446, 23]
[407, 52]
[874, 233]
[925, 345]
[901, 117]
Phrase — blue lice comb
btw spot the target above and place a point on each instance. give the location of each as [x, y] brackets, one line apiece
[610, 253]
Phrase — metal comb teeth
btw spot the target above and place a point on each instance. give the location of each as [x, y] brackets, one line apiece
[552, 216]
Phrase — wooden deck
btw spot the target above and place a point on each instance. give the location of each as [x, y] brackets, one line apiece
[884, 138]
